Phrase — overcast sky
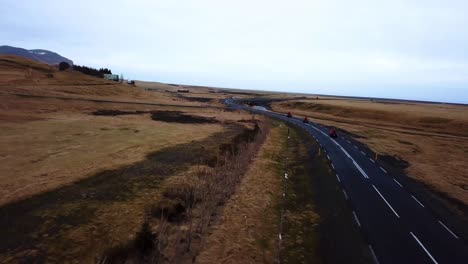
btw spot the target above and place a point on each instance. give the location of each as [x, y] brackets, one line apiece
[413, 49]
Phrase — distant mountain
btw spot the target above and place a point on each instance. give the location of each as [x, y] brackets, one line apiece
[40, 55]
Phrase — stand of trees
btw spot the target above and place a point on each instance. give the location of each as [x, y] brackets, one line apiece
[91, 71]
[64, 66]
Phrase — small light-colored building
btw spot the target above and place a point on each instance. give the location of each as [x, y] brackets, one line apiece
[111, 77]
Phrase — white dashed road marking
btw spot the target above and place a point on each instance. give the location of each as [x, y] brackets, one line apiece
[345, 194]
[427, 252]
[422, 205]
[383, 169]
[357, 220]
[383, 198]
[398, 183]
[453, 234]
[373, 255]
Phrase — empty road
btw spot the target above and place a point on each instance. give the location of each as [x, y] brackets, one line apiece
[397, 225]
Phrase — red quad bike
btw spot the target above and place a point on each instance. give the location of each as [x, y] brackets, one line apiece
[306, 120]
[333, 133]
[289, 115]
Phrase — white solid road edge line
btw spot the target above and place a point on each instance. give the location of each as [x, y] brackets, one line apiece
[373, 255]
[383, 198]
[398, 183]
[427, 252]
[360, 170]
[338, 177]
[453, 234]
[383, 169]
[422, 205]
[357, 220]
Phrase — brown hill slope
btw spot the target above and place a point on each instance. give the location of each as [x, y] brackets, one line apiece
[16, 70]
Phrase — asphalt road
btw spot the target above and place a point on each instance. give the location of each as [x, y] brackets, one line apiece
[397, 225]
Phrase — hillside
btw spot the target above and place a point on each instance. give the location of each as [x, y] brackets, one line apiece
[39, 55]
[18, 70]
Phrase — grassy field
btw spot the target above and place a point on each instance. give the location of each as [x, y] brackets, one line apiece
[82, 159]
[247, 230]
[42, 155]
[418, 133]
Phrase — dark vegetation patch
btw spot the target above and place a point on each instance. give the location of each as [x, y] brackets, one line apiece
[345, 132]
[405, 142]
[233, 146]
[266, 102]
[385, 102]
[165, 116]
[117, 112]
[143, 249]
[179, 117]
[243, 93]
[434, 120]
[318, 222]
[197, 99]
[26, 223]
[396, 163]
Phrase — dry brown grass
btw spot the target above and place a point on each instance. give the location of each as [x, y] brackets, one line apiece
[50, 147]
[188, 204]
[22, 76]
[46, 143]
[419, 133]
[42, 155]
[247, 229]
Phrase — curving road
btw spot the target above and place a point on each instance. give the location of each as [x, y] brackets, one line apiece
[398, 227]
